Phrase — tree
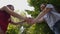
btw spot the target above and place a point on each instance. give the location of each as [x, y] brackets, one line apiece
[35, 29]
[36, 3]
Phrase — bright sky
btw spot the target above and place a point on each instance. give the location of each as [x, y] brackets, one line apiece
[18, 4]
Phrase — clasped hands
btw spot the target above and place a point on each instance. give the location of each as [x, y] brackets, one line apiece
[29, 20]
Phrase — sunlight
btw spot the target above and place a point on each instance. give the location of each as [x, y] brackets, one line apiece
[18, 4]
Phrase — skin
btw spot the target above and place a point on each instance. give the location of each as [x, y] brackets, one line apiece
[11, 12]
[37, 19]
[12, 8]
[40, 18]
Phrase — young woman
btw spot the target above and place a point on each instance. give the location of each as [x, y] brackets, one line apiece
[50, 15]
[5, 19]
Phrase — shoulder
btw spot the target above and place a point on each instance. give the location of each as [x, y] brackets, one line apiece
[49, 6]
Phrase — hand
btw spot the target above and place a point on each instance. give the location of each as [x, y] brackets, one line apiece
[32, 21]
[29, 20]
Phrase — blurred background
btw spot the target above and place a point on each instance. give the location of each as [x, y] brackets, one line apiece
[28, 8]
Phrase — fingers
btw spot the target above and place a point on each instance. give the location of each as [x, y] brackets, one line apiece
[30, 20]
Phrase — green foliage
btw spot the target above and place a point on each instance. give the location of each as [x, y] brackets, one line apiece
[33, 13]
[39, 29]
[36, 3]
[43, 27]
[15, 29]
[12, 29]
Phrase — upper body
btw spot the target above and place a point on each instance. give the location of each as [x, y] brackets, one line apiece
[49, 14]
[5, 18]
[51, 17]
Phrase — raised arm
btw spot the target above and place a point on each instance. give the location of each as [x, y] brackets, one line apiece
[13, 13]
[18, 23]
[45, 11]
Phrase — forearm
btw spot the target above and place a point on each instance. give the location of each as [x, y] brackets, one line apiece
[15, 23]
[41, 15]
[40, 20]
[18, 23]
[13, 13]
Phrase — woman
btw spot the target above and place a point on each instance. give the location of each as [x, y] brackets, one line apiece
[5, 19]
[50, 15]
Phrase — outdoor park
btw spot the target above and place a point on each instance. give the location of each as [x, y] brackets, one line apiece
[29, 8]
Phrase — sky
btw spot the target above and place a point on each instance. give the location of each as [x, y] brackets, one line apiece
[18, 4]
